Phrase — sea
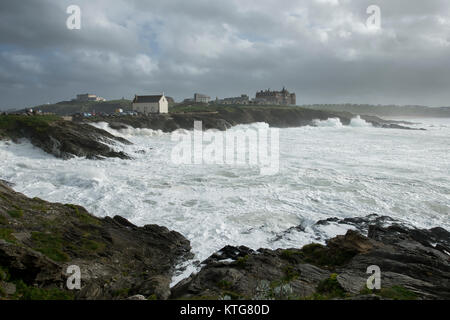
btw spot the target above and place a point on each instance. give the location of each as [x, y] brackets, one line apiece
[324, 170]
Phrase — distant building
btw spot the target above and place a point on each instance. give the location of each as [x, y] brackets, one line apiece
[243, 99]
[150, 104]
[88, 97]
[282, 97]
[201, 98]
[188, 100]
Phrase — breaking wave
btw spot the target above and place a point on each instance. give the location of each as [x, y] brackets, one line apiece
[323, 173]
[336, 122]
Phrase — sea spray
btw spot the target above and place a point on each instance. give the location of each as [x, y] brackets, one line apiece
[324, 172]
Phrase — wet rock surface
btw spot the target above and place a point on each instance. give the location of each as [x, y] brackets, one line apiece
[39, 240]
[118, 260]
[414, 264]
[223, 118]
[63, 139]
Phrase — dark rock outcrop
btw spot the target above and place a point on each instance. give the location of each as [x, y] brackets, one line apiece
[63, 139]
[39, 240]
[414, 264]
[226, 117]
[118, 260]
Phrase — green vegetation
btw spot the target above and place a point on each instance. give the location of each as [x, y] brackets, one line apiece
[40, 207]
[290, 254]
[39, 123]
[51, 245]
[91, 245]
[71, 107]
[330, 288]
[224, 284]
[121, 292]
[233, 295]
[25, 292]
[203, 297]
[4, 274]
[320, 255]
[16, 213]
[3, 197]
[394, 292]
[83, 216]
[6, 234]
[183, 108]
[242, 261]
[192, 108]
[290, 274]
[397, 293]
[3, 220]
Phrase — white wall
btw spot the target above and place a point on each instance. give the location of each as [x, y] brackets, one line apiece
[164, 105]
[146, 108]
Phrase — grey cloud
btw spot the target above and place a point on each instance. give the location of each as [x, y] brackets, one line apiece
[320, 49]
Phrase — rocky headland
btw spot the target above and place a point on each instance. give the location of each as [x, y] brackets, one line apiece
[39, 240]
[66, 139]
[63, 139]
[414, 264]
[222, 118]
[118, 260]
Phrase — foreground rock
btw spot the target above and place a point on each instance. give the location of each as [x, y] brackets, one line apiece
[414, 264]
[63, 139]
[222, 118]
[39, 240]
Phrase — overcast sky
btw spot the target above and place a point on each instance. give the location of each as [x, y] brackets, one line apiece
[320, 49]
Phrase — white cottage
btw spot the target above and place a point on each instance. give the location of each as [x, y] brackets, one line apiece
[151, 104]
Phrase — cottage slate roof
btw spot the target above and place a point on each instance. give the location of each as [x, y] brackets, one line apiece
[147, 99]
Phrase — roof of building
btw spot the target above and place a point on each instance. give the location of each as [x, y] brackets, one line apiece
[147, 99]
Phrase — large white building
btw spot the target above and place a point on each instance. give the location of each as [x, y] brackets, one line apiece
[151, 104]
[201, 98]
[88, 97]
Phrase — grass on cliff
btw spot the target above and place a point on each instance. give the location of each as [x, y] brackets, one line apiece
[394, 293]
[27, 292]
[51, 245]
[6, 234]
[11, 122]
[319, 255]
[182, 108]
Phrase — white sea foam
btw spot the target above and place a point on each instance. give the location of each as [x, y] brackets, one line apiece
[330, 122]
[324, 172]
[358, 122]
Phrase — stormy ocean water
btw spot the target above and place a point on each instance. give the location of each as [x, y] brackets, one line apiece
[326, 170]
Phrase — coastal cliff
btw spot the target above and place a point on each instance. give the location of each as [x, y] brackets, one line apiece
[63, 139]
[225, 117]
[413, 264]
[118, 260]
[66, 139]
[39, 240]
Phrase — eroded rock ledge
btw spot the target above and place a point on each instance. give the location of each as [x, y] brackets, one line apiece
[63, 139]
[38, 240]
[414, 264]
[118, 260]
[222, 118]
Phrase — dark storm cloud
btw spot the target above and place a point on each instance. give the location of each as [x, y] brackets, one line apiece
[321, 49]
